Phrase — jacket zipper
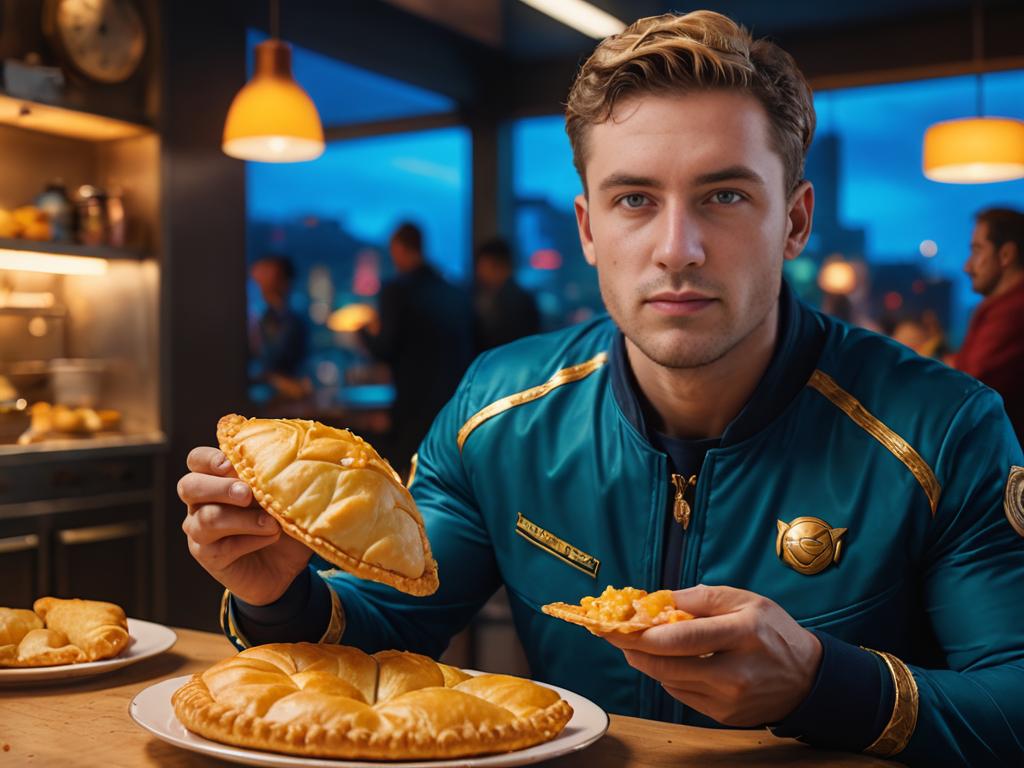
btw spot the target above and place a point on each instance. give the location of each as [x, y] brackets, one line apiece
[682, 507]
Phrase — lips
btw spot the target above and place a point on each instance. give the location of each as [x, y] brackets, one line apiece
[679, 304]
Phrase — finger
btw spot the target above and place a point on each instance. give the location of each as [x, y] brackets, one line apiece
[212, 522]
[222, 554]
[690, 673]
[210, 461]
[694, 637]
[196, 489]
[703, 600]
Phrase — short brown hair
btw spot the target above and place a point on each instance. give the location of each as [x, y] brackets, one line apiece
[1004, 225]
[409, 235]
[701, 50]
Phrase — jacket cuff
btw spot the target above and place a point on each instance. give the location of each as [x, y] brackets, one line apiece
[302, 614]
[850, 702]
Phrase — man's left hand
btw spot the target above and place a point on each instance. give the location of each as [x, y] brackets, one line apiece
[763, 663]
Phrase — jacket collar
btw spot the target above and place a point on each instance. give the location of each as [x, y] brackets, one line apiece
[797, 349]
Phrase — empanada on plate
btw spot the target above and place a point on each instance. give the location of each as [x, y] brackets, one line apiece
[61, 632]
[335, 701]
[620, 610]
[331, 490]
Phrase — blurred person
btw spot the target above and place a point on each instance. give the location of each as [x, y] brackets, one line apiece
[424, 332]
[843, 517]
[993, 350]
[279, 337]
[504, 310]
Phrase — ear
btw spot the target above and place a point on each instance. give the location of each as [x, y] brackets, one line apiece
[1008, 255]
[799, 218]
[581, 205]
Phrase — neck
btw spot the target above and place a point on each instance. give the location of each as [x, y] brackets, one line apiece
[1011, 279]
[694, 403]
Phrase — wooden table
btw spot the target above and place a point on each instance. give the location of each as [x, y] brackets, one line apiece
[86, 723]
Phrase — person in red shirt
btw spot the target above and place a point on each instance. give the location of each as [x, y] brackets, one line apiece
[993, 350]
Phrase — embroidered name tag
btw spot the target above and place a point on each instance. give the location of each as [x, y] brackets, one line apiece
[561, 549]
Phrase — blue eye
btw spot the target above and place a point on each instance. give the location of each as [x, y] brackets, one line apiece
[635, 200]
[727, 198]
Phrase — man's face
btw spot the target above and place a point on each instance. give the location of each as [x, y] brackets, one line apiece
[983, 266]
[687, 222]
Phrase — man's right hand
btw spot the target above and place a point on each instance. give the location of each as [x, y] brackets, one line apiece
[231, 536]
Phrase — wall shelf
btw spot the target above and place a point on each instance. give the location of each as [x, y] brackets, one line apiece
[61, 121]
[72, 249]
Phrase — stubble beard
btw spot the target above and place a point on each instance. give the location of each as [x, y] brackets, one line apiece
[694, 348]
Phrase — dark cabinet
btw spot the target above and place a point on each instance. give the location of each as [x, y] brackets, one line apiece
[20, 561]
[80, 528]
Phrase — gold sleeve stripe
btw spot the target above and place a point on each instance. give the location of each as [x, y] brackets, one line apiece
[336, 626]
[897, 732]
[227, 624]
[867, 421]
[564, 376]
[415, 460]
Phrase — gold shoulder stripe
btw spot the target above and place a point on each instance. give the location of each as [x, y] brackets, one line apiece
[564, 376]
[867, 421]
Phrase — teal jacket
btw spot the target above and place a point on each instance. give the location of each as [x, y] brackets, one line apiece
[534, 477]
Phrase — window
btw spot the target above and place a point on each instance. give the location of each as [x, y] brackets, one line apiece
[333, 217]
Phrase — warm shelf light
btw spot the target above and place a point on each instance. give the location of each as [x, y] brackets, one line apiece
[64, 122]
[51, 263]
[272, 120]
[974, 150]
[581, 16]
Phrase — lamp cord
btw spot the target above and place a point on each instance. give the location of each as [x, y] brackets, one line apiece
[275, 19]
[978, 29]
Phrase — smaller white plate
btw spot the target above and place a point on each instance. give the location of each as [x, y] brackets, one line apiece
[152, 710]
[147, 639]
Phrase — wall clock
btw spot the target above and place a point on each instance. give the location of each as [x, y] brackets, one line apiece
[103, 40]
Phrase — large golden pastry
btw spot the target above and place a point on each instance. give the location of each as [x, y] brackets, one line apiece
[335, 701]
[620, 610]
[61, 632]
[331, 490]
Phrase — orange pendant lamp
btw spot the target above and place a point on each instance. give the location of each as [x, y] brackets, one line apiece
[272, 120]
[975, 150]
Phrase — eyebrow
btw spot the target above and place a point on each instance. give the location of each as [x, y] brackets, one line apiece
[732, 173]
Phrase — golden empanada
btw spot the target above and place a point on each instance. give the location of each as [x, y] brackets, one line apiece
[335, 701]
[330, 489]
[620, 610]
[61, 632]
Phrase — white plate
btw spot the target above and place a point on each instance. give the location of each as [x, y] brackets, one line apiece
[147, 639]
[153, 711]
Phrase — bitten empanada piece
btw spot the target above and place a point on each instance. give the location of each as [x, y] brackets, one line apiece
[334, 701]
[331, 490]
[61, 632]
[100, 629]
[620, 610]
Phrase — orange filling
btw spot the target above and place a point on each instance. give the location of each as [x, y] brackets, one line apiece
[629, 604]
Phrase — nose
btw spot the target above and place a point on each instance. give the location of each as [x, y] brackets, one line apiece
[679, 242]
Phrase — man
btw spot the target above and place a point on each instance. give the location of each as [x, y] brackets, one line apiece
[993, 350]
[425, 334]
[840, 492]
[504, 311]
[280, 337]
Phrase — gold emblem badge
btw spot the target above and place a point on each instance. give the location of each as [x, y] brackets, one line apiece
[1013, 499]
[808, 545]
